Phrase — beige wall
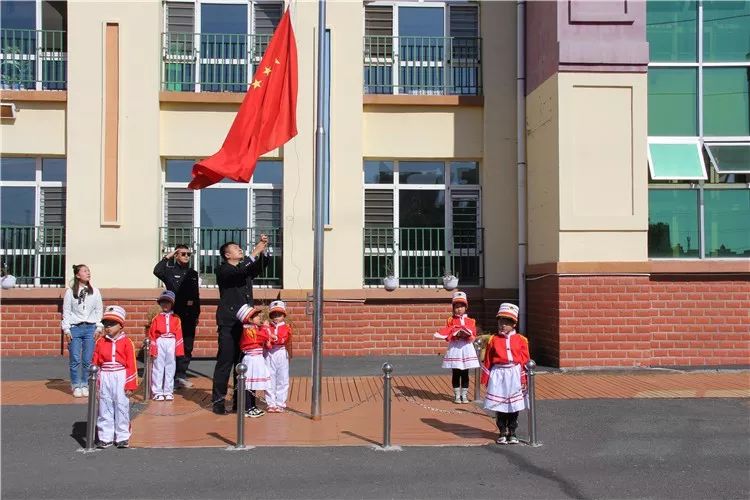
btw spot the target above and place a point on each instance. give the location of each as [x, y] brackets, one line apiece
[39, 129]
[120, 256]
[591, 128]
[543, 194]
[499, 138]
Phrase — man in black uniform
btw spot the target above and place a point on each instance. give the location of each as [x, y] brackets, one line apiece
[235, 279]
[180, 278]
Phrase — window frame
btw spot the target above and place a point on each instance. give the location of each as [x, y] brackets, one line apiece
[703, 141]
[715, 164]
[450, 190]
[676, 140]
[198, 58]
[38, 184]
[395, 60]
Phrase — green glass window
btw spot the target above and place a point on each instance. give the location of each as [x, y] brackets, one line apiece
[730, 158]
[726, 101]
[672, 105]
[672, 30]
[676, 161]
[673, 223]
[726, 30]
[727, 222]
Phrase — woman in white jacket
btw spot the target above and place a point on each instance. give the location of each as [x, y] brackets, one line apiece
[82, 318]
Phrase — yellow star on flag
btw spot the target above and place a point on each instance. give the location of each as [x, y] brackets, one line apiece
[276, 61]
[256, 84]
[267, 71]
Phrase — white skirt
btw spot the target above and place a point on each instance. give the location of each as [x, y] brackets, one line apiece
[257, 376]
[504, 392]
[460, 355]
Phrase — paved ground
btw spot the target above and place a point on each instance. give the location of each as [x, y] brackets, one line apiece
[638, 434]
[645, 448]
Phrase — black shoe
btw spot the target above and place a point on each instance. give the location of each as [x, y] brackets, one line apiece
[103, 444]
[122, 444]
[512, 439]
[219, 408]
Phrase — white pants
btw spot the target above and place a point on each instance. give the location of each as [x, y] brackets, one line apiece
[278, 387]
[113, 421]
[162, 371]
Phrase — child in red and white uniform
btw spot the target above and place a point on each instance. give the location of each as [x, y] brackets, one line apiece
[277, 358]
[504, 373]
[460, 356]
[166, 345]
[255, 338]
[114, 354]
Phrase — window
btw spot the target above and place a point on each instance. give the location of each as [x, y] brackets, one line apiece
[228, 211]
[699, 128]
[33, 45]
[215, 46]
[422, 48]
[422, 220]
[32, 219]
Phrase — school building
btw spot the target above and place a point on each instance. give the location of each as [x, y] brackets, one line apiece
[588, 160]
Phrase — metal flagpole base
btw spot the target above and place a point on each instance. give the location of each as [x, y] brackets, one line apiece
[386, 448]
[246, 447]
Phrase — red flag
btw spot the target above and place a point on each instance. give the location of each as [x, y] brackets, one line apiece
[266, 119]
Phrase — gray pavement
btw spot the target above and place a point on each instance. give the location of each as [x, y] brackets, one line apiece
[644, 448]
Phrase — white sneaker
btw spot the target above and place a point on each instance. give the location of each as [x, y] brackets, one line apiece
[77, 392]
[183, 382]
[168, 397]
[84, 392]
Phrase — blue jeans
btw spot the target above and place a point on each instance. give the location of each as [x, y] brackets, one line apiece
[81, 351]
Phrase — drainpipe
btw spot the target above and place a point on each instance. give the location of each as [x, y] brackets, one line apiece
[521, 156]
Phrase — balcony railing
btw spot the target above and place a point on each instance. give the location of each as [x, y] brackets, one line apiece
[421, 256]
[33, 59]
[205, 244]
[420, 65]
[209, 62]
[35, 255]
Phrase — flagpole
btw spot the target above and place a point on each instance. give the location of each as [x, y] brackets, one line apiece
[320, 133]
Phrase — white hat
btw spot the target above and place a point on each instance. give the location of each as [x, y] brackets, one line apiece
[460, 297]
[114, 313]
[508, 310]
[277, 306]
[246, 313]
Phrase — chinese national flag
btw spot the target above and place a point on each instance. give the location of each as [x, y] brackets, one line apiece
[266, 119]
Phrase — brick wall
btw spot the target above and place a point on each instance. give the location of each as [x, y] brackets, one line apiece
[656, 320]
[351, 328]
[573, 321]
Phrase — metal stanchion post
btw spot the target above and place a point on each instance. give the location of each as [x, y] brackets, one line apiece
[92, 410]
[146, 370]
[531, 374]
[387, 370]
[478, 372]
[241, 370]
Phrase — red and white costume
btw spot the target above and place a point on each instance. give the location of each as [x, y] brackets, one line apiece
[504, 372]
[277, 359]
[460, 333]
[116, 359]
[166, 344]
[252, 344]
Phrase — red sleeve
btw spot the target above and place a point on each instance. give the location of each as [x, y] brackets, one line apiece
[97, 359]
[152, 335]
[179, 346]
[487, 362]
[471, 325]
[521, 355]
[290, 343]
[284, 334]
[131, 367]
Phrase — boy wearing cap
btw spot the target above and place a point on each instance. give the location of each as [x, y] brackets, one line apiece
[252, 343]
[165, 333]
[504, 373]
[277, 358]
[460, 356]
[114, 354]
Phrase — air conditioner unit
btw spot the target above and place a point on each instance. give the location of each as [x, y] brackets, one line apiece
[8, 111]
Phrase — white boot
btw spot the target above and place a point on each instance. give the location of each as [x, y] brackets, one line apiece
[464, 395]
[457, 395]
